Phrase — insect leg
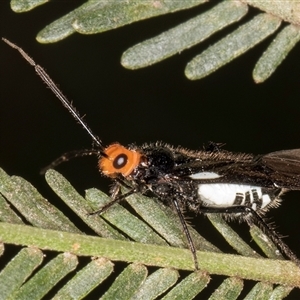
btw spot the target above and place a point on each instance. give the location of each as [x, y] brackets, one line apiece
[113, 202]
[187, 233]
[256, 219]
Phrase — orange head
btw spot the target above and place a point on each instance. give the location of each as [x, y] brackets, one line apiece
[119, 159]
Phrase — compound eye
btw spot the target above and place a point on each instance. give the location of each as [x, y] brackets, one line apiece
[120, 161]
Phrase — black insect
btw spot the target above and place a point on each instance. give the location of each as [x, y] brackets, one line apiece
[213, 180]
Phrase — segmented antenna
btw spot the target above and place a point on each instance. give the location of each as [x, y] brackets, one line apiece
[58, 93]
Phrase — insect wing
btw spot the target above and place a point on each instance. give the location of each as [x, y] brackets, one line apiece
[286, 167]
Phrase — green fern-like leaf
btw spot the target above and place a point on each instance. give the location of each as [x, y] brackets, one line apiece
[121, 236]
[96, 16]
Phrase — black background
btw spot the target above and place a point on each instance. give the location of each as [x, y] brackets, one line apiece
[146, 105]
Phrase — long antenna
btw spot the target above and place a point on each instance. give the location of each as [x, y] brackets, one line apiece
[58, 93]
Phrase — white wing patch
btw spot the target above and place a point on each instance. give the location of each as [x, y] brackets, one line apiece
[205, 175]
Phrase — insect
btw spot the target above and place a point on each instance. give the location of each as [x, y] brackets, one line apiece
[212, 180]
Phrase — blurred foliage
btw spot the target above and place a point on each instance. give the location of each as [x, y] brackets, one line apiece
[96, 16]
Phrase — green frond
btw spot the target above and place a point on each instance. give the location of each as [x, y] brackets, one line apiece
[96, 16]
[152, 236]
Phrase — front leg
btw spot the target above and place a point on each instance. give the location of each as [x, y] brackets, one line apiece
[116, 196]
[115, 190]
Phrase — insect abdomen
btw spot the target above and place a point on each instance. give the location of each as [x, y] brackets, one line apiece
[227, 194]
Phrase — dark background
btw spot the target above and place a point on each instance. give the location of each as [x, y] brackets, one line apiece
[146, 105]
